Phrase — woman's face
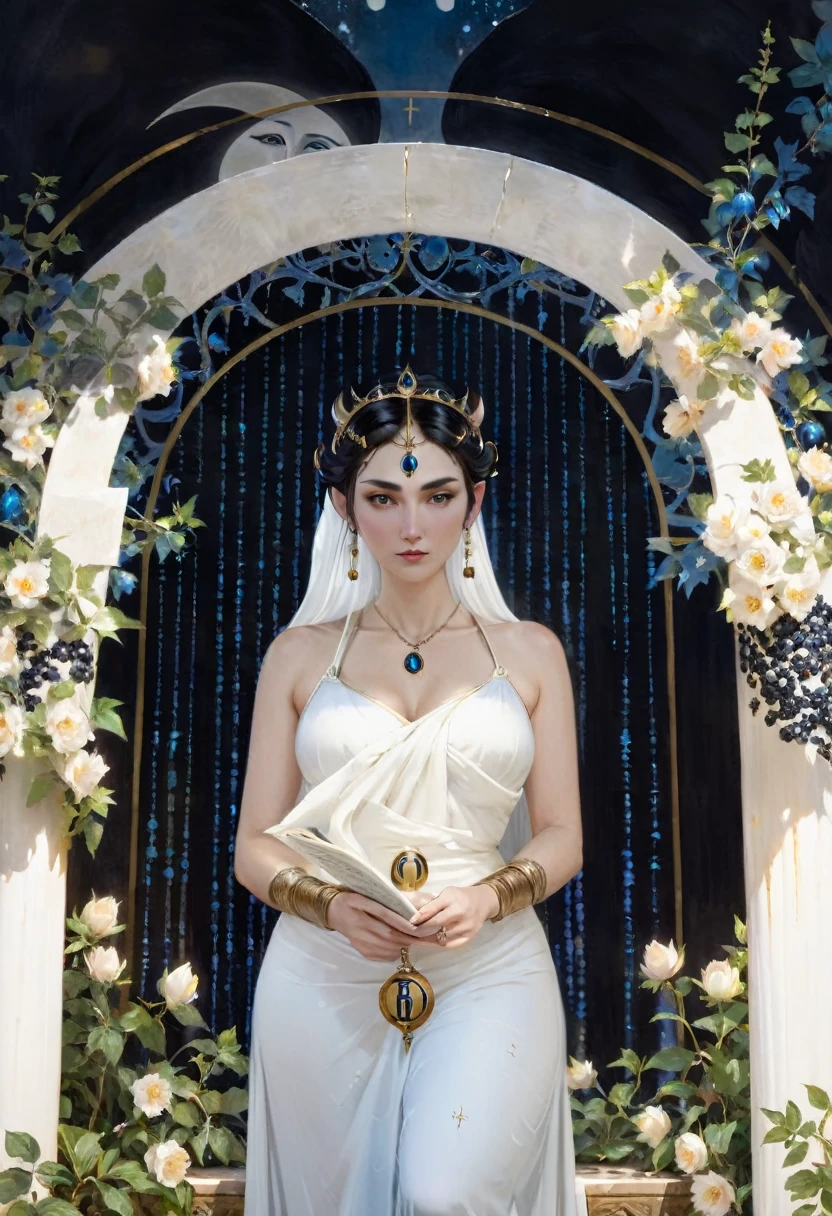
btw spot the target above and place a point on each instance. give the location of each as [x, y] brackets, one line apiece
[425, 512]
[279, 137]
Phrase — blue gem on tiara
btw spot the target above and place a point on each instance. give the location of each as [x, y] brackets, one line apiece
[409, 464]
[407, 379]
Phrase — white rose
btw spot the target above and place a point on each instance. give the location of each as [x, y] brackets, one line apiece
[691, 1152]
[653, 1124]
[28, 444]
[691, 364]
[11, 728]
[780, 351]
[580, 1074]
[9, 661]
[753, 331]
[779, 502]
[104, 964]
[83, 771]
[179, 988]
[721, 980]
[712, 1195]
[27, 583]
[798, 592]
[724, 517]
[657, 312]
[68, 726]
[681, 417]
[626, 330]
[100, 915]
[816, 467]
[750, 603]
[24, 408]
[661, 962]
[152, 1094]
[761, 561]
[755, 528]
[168, 1162]
[156, 372]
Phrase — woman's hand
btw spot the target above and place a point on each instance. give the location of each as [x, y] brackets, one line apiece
[460, 911]
[374, 931]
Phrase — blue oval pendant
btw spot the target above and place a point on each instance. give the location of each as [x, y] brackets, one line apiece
[409, 464]
[413, 663]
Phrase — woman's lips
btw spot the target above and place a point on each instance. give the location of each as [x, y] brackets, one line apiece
[412, 557]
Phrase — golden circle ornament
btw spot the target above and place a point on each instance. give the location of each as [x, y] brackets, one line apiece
[409, 870]
[406, 999]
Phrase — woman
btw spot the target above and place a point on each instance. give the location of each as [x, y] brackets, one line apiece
[474, 1118]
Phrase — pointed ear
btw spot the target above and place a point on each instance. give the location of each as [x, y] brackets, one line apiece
[476, 408]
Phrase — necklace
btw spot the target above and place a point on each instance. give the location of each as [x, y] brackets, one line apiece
[413, 661]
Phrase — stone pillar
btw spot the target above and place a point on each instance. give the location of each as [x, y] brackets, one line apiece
[787, 831]
[32, 902]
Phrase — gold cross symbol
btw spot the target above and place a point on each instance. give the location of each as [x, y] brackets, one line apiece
[410, 110]
[459, 1117]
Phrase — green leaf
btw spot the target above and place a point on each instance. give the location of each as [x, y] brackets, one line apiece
[66, 688]
[708, 387]
[756, 470]
[153, 283]
[663, 1154]
[219, 1138]
[162, 317]
[775, 1116]
[207, 1047]
[109, 1042]
[235, 1100]
[188, 1015]
[85, 1153]
[135, 1175]
[672, 1058]
[805, 1209]
[152, 1036]
[60, 573]
[793, 1116]
[22, 1145]
[115, 1200]
[92, 831]
[199, 1143]
[51, 1174]
[42, 785]
[53, 1206]
[718, 1135]
[14, 1183]
[796, 1153]
[699, 504]
[68, 243]
[803, 1185]
[186, 1114]
[799, 384]
[629, 1060]
[104, 717]
[735, 142]
[806, 50]
[818, 1097]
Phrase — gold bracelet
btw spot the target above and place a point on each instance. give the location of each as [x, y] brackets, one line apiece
[517, 884]
[294, 890]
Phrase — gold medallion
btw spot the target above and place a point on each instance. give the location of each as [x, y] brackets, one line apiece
[406, 999]
[409, 870]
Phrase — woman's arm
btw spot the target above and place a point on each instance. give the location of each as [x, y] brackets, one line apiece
[272, 777]
[552, 788]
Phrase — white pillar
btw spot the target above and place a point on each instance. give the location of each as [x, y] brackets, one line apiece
[787, 842]
[32, 902]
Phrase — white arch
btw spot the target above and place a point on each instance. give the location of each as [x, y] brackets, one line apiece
[216, 237]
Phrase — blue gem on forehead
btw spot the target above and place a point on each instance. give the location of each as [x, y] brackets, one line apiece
[409, 464]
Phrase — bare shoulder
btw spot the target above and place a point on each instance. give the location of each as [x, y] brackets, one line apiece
[532, 654]
[301, 649]
[527, 640]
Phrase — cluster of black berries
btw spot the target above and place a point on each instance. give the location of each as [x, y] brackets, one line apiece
[39, 666]
[779, 660]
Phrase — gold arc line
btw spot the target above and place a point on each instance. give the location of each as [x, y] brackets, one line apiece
[580, 124]
[350, 306]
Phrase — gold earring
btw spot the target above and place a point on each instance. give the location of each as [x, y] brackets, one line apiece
[468, 569]
[352, 573]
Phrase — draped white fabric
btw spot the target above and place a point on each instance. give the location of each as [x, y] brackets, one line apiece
[475, 1120]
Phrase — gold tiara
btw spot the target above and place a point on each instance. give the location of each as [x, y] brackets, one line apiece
[407, 388]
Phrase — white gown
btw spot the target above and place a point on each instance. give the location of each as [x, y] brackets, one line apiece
[475, 1119]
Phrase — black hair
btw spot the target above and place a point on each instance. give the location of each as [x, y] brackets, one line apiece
[380, 421]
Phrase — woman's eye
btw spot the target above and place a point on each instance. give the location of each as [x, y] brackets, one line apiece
[318, 145]
[375, 498]
[443, 495]
[271, 141]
